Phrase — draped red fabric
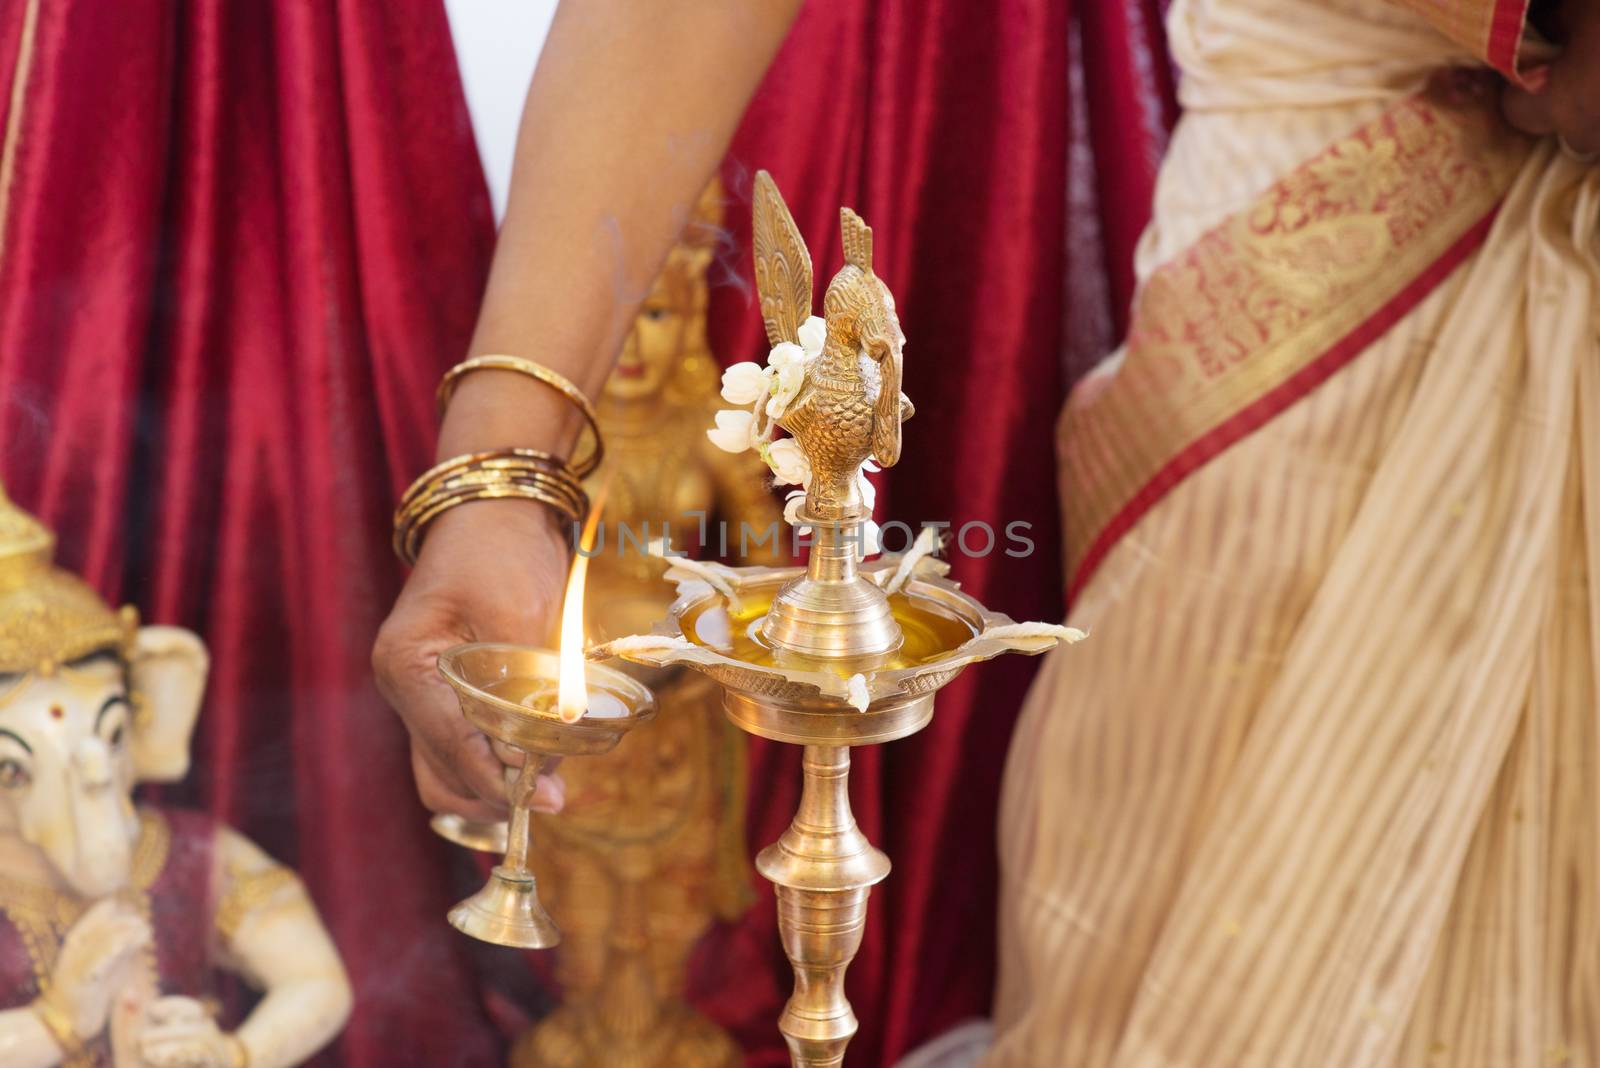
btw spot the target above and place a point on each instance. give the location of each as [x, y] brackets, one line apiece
[961, 132]
[241, 241]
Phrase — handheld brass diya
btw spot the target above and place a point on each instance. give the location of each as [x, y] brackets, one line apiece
[840, 653]
[546, 705]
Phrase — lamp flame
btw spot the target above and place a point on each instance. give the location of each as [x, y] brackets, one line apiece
[572, 682]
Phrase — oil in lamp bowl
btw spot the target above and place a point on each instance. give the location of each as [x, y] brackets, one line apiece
[508, 692]
[771, 693]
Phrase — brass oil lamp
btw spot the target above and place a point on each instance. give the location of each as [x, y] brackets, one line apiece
[545, 705]
[840, 653]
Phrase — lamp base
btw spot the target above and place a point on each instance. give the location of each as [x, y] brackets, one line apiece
[507, 912]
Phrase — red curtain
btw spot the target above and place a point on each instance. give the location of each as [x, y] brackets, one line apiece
[242, 240]
[963, 133]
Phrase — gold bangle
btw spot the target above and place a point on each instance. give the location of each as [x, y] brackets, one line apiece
[508, 473]
[59, 1025]
[584, 467]
[570, 496]
[477, 473]
[238, 1052]
[408, 536]
[565, 497]
[481, 469]
[462, 466]
[531, 488]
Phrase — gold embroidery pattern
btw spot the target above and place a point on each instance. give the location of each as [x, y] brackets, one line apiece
[43, 915]
[1271, 290]
[248, 891]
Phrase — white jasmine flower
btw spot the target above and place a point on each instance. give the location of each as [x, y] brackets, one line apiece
[790, 379]
[789, 465]
[788, 363]
[786, 354]
[745, 383]
[813, 332]
[871, 539]
[869, 492]
[791, 508]
[718, 576]
[927, 544]
[734, 431]
[856, 692]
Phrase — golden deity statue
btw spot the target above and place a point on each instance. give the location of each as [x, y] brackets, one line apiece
[650, 846]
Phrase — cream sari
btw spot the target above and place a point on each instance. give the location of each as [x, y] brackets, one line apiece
[1321, 787]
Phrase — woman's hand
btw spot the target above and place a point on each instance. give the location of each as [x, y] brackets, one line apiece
[489, 571]
[1563, 97]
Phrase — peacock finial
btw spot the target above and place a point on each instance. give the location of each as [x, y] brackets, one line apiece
[783, 264]
[833, 384]
[857, 240]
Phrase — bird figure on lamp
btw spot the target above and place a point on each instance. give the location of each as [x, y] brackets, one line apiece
[833, 383]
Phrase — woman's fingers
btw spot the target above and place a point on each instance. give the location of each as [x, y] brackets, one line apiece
[1563, 97]
[476, 763]
[549, 789]
[443, 792]
[1528, 107]
[549, 794]
[463, 771]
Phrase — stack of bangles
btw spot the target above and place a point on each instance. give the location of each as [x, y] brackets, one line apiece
[529, 474]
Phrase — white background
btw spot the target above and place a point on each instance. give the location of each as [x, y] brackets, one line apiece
[497, 45]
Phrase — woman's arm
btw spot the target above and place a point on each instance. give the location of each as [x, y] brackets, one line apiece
[631, 109]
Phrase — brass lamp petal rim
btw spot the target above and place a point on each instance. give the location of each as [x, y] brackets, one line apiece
[826, 691]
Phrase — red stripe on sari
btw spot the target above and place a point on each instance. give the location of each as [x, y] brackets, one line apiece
[1256, 414]
[1505, 36]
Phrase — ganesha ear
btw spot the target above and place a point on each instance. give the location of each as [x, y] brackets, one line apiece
[167, 675]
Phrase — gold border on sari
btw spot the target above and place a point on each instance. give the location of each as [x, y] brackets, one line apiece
[1268, 305]
[1489, 29]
